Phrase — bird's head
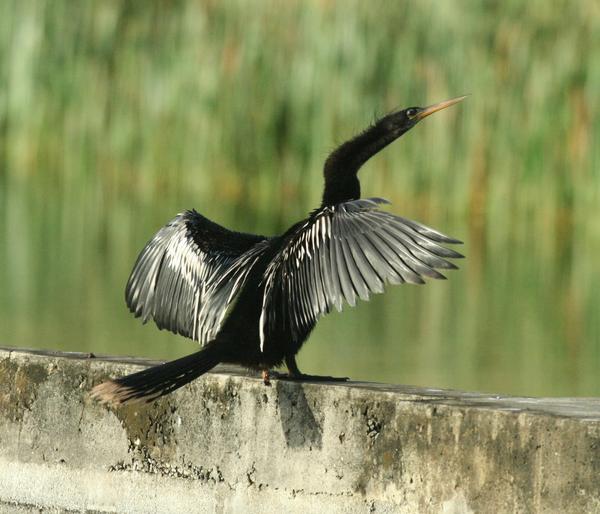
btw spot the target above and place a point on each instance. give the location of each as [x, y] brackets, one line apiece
[399, 122]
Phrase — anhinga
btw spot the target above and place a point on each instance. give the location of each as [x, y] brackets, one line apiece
[253, 300]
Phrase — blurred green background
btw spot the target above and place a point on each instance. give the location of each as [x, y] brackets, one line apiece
[115, 115]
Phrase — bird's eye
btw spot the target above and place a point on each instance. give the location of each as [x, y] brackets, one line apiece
[411, 113]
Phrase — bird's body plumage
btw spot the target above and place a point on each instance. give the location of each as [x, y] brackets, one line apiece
[253, 300]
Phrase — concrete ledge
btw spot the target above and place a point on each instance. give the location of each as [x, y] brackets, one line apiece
[227, 443]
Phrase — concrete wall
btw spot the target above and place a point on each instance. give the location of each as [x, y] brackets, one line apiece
[227, 443]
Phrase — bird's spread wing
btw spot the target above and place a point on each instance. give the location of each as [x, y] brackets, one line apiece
[343, 252]
[187, 275]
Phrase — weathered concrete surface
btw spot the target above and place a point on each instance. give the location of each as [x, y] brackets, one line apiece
[227, 443]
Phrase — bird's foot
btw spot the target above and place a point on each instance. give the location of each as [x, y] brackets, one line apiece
[267, 375]
[302, 377]
[296, 374]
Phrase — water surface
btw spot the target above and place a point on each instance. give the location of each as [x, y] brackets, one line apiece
[113, 118]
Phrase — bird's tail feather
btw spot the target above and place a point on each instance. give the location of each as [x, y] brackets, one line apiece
[154, 382]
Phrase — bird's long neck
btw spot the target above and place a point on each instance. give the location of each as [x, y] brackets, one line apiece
[342, 165]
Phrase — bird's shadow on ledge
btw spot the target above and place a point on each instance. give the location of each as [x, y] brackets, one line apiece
[298, 423]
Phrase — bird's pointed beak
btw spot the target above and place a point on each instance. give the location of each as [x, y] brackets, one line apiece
[438, 107]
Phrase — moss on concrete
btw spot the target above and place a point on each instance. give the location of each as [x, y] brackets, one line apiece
[18, 386]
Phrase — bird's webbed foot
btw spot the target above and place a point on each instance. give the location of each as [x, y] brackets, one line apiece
[268, 374]
[313, 378]
[296, 374]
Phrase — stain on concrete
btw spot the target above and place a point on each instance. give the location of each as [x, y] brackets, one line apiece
[382, 463]
[19, 387]
[150, 429]
[142, 460]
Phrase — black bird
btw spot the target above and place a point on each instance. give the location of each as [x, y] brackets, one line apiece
[253, 300]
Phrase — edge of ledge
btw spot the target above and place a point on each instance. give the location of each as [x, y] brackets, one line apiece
[580, 408]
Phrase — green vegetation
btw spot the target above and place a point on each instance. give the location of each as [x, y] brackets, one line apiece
[115, 115]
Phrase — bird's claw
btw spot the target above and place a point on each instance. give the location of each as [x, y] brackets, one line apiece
[266, 377]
